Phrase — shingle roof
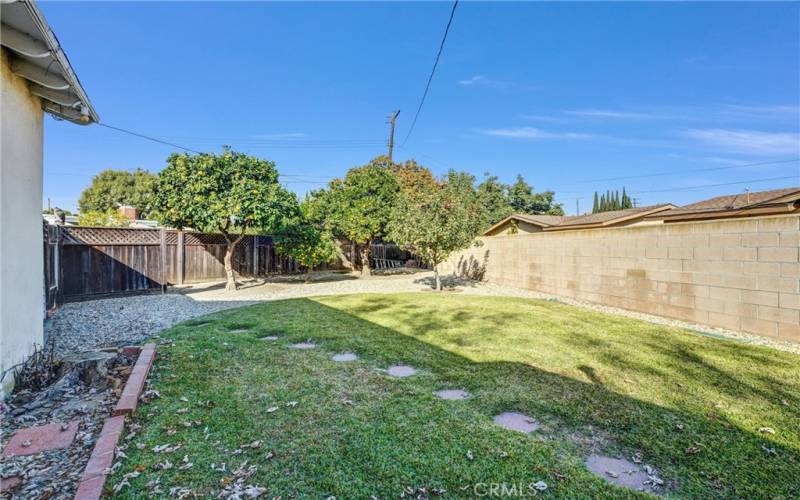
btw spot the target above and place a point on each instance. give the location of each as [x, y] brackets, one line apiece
[610, 216]
[547, 220]
[735, 201]
[555, 222]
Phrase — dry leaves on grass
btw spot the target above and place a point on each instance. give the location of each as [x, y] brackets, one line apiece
[167, 448]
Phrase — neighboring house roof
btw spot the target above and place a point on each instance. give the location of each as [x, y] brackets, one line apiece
[784, 200]
[601, 219]
[37, 57]
[612, 217]
[537, 220]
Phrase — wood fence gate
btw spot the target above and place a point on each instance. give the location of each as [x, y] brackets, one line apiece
[92, 262]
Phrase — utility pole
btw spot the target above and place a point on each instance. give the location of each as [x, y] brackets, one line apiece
[391, 122]
[577, 206]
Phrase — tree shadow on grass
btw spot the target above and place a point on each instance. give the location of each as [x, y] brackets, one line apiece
[730, 461]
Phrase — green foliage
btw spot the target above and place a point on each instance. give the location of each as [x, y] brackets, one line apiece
[306, 244]
[611, 200]
[523, 200]
[412, 177]
[111, 188]
[493, 198]
[439, 220]
[358, 206]
[95, 218]
[220, 193]
[226, 193]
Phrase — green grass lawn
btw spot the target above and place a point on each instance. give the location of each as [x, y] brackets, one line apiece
[692, 406]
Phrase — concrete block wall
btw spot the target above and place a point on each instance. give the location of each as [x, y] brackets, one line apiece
[739, 274]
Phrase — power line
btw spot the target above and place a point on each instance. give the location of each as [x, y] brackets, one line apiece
[258, 143]
[148, 137]
[710, 169]
[430, 78]
[715, 185]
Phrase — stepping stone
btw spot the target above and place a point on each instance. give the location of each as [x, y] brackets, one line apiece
[239, 330]
[620, 472]
[516, 422]
[269, 337]
[345, 356]
[32, 440]
[452, 394]
[304, 345]
[401, 371]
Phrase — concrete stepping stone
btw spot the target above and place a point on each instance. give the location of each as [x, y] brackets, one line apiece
[269, 337]
[401, 371]
[516, 422]
[452, 394]
[620, 472]
[304, 345]
[33, 440]
[345, 356]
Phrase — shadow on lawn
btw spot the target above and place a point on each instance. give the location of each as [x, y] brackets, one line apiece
[731, 461]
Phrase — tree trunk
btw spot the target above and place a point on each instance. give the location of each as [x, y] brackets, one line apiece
[230, 285]
[365, 271]
[437, 279]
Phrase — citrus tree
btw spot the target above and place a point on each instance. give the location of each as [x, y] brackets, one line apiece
[358, 207]
[437, 221]
[306, 244]
[229, 193]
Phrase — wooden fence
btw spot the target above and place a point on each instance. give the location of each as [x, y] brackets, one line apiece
[93, 262]
[87, 262]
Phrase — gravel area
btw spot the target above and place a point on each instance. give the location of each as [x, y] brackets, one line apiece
[112, 322]
[85, 326]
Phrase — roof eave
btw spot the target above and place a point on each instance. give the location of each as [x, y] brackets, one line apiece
[510, 218]
[85, 113]
[773, 209]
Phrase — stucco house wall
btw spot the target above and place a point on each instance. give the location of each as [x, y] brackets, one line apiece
[21, 259]
[508, 228]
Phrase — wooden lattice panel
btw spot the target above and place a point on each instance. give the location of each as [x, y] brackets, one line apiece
[109, 236]
[203, 239]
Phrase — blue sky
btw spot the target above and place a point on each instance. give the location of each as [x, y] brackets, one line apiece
[563, 93]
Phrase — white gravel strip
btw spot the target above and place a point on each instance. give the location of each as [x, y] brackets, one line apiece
[87, 325]
[84, 326]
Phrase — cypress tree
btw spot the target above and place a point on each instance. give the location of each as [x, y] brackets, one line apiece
[595, 204]
[626, 200]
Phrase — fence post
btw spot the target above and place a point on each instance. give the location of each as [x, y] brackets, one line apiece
[163, 245]
[59, 299]
[180, 256]
[255, 256]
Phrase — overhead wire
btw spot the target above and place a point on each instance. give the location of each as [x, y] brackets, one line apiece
[433, 71]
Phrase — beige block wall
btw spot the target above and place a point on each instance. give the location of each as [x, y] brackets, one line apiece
[739, 274]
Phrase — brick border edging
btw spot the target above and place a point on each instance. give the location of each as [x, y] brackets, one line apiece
[94, 475]
[135, 384]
